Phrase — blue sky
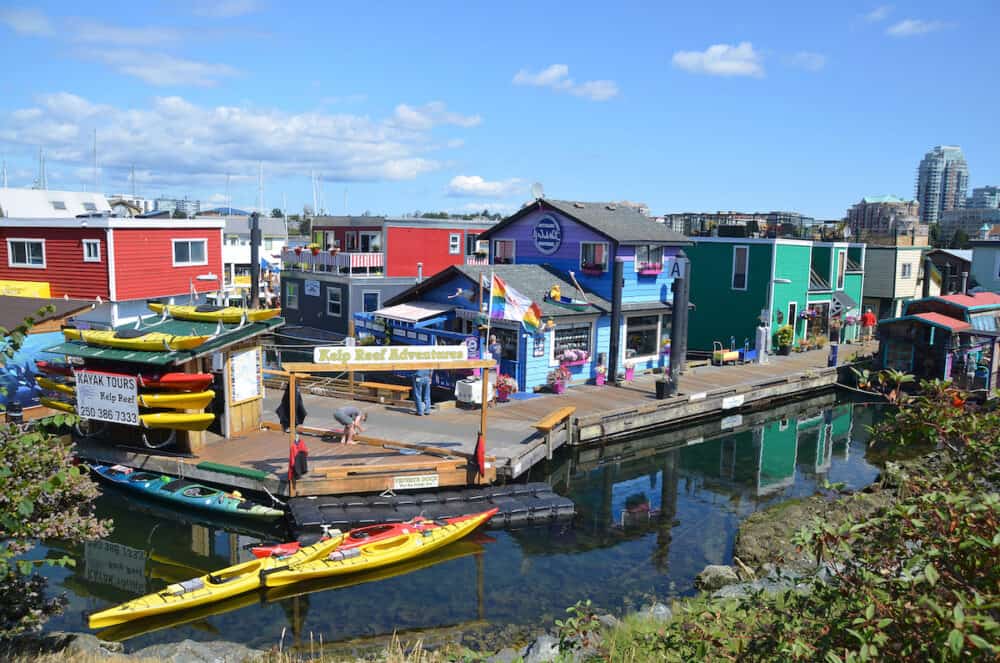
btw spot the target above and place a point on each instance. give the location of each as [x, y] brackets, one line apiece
[461, 106]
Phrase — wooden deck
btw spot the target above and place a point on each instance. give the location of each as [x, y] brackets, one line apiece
[602, 414]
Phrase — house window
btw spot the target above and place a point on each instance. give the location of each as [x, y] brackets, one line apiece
[291, 299]
[572, 337]
[642, 336]
[268, 244]
[190, 252]
[793, 313]
[455, 244]
[234, 241]
[741, 260]
[842, 268]
[92, 250]
[907, 270]
[58, 204]
[351, 241]
[26, 253]
[648, 259]
[503, 251]
[370, 242]
[333, 303]
[507, 338]
[593, 257]
[470, 244]
[371, 301]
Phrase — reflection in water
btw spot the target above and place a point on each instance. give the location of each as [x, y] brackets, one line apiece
[651, 513]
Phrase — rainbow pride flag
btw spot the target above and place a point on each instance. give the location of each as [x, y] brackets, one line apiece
[508, 304]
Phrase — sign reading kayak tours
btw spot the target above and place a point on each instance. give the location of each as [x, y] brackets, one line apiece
[386, 354]
[107, 397]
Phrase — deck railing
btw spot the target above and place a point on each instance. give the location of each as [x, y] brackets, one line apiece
[369, 264]
[477, 260]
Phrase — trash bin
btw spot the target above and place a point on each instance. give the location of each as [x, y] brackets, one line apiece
[662, 388]
[832, 359]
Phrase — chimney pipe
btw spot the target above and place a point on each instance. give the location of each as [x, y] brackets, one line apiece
[928, 268]
[965, 283]
[420, 272]
[946, 281]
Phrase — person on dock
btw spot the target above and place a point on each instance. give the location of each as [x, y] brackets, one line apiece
[867, 325]
[422, 391]
[835, 327]
[495, 349]
[350, 417]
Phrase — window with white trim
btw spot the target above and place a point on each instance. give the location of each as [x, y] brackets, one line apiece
[642, 334]
[370, 241]
[842, 268]
[26, 253]
[741, 267]
[454, 244]
[648, 258]
[268, 244]
[333, 302]
[189, 252]
[570, 340]
[594, 256]
[503, 251]
[906, 270]
[291, 298]
[92, 250]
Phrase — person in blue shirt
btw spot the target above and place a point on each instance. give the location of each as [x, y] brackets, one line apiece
[422, 391]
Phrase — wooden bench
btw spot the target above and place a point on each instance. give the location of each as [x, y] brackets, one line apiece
[383, 392]
[551, 422]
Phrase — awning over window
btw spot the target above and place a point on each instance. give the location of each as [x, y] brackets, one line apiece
[414, 311]
[842, 303]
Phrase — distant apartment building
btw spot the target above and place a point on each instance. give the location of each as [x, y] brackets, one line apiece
[942, 182]
[985, 197]
[884, 217]
[142, 205]
[968, 220]
[189, 208]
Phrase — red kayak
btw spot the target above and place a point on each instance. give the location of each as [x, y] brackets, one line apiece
[361, 536]
[176, 381]
[53, 368]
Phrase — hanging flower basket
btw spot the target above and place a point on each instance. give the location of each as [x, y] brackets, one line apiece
[298, 250]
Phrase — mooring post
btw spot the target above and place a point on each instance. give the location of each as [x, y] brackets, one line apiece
[617, 285]
[255, 260]
[293, 430]
[926, 285]
[679, 326]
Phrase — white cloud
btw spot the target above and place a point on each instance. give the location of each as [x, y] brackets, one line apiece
[228, 8]
[807, 60]
[94, 32]
[474, 185]
[721, 60]
[161, 69]
[556, 77]
[880, 13]
[434, 113]
[28, 22]
[913, 27]
[176, 143]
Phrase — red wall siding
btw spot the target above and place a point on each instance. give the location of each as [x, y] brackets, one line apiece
[144, 262]
[408, 246]
[65, 270]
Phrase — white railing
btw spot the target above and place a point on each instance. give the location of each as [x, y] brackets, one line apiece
[324, 261]
[477, 260]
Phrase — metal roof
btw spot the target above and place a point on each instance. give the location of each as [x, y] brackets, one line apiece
[413, 311]
[231, 334]
[13, 310]
[50, 204]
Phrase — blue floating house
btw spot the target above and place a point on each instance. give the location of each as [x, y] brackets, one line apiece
[561, 254]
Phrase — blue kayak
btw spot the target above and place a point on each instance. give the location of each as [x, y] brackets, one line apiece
[182, 492]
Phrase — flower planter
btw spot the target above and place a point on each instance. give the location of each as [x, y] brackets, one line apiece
[558, 387]
[650, 270]
[315, 252]
[575, 362]
[629, 374]
[592, 271]
[503, 395]
[599, 379]
[298, 250]
[784, 350]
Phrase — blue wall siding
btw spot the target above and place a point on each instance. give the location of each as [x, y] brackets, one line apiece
[644, 289]
[440, 294]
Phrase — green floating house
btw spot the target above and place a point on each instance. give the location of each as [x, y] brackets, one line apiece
[736, 282]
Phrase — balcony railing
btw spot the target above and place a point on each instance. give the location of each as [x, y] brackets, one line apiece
[370, 264]
[477, 260]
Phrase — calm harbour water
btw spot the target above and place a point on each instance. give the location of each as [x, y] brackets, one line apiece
[648, 521]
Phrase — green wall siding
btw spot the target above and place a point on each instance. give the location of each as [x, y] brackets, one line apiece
[792, 264]
[721, 312]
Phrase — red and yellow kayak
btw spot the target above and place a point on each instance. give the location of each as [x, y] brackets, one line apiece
[176, 381]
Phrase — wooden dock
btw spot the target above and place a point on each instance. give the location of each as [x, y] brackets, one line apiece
[391, 461]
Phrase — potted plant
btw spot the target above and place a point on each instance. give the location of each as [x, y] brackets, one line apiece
[558, 378]
[629, 371]
[592, 268]
[784, 337]
[314, 249]
[506, 385]
[820, 341]
[298, 250]
[600, 375]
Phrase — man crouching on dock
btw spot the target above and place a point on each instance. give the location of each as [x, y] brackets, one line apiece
[350, 417]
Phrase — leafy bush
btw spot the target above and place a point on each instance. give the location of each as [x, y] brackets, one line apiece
[785, 335]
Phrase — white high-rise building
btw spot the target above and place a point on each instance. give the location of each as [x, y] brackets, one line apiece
[942, 182]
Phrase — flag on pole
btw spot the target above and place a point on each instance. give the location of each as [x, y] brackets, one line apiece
[508, 304]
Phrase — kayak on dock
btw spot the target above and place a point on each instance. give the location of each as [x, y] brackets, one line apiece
[209, 588]
[152, 341]
[52, 385]
[54, 368]
[58, 405]
[209, 313]
[177, 420]
[181, 400]
[184, 492]
[414, 542]
[176, 381]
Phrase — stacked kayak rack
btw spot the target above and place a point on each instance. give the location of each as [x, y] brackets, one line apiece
[518, 505]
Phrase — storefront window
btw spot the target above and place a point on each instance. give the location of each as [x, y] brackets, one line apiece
[641, 336]
[507, 338]
[571, 340]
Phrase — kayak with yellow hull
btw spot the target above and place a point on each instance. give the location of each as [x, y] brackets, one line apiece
[178, 401]
[207, 313]
[58, 405]
[148, 342]
[178, 420]
[374, 555]
[52, 385]
[208, 588]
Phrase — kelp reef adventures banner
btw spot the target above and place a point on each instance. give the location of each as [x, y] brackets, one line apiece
[389, 354]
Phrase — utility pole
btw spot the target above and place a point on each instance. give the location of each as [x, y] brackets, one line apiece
[97, 178]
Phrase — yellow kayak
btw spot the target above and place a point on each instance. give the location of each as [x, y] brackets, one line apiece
[380, 553]
[178, 420]
[228, 314]
[150, 342]
[209, 588]
[178, 401]
[58, 405]
[52, 385]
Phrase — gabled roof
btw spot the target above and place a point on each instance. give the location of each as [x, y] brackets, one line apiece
[532, 281]
[621, 223]
[973, 301]
[13, 310]
[961, 254]
[940, 320]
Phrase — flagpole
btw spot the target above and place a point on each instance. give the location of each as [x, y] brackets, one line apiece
[486, 370]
